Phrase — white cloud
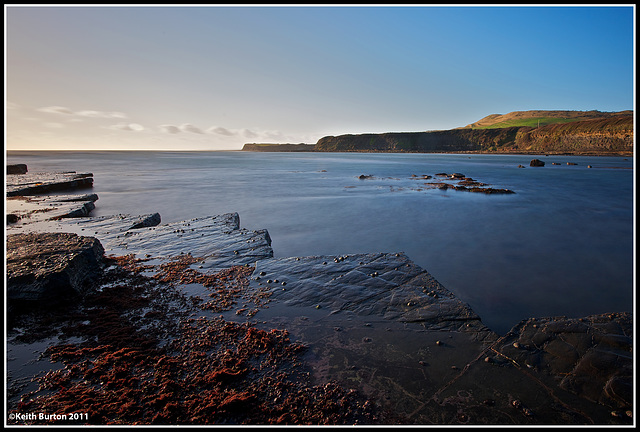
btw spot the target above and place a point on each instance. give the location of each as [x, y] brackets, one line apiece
[221, 131]
[83, 113]
[100, 114]
[127, 127]
[56, 110]
[169, 129]
[187, 127]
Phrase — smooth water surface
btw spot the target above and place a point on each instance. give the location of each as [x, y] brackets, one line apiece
[561, 245]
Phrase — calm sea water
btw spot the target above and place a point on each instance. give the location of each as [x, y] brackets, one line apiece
[561, 245]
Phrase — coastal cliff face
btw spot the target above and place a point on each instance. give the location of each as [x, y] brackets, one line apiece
[606, 136]
[598, 136]
[457, 140]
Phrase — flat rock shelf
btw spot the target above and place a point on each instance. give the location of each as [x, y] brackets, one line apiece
[196, 322]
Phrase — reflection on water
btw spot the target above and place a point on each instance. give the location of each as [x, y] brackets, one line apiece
[561, 245]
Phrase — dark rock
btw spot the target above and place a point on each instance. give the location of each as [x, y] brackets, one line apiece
[536, 163]
[490, 191]
[147, 221]
[12, 218]
[17, 169]
[51, 267]
[365, 177]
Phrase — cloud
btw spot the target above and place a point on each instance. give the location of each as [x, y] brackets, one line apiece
[187, 127]
[54, 125]
[127, 127]
[56, 110]
[249, 133]
[220, 131]
[169, 129]
[83, 113]
[100, 114]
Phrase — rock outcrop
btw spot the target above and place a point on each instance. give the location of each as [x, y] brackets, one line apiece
[43, 183]
[17, 169]
[48, 268]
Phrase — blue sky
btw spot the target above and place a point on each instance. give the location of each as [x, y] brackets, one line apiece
[214, 78]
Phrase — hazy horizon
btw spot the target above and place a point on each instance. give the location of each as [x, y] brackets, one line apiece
[196, 78]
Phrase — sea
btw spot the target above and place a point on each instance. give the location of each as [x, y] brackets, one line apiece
[561, 245]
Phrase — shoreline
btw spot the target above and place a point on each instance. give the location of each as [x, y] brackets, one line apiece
[587, 154]
[346, 324]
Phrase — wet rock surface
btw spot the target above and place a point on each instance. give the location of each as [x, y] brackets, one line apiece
[387, 286]
[26, 199]
[590, 356]
[28, 209]
[197, 323]
[41, 183]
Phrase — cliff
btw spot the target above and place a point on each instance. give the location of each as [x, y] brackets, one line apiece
[600, 136]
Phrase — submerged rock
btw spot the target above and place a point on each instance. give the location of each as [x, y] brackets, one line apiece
[536, 163]
[591, 357]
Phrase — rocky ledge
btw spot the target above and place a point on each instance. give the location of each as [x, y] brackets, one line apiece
[197, 322]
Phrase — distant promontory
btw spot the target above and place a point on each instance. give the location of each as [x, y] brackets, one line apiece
[519, 132]
[278, 147]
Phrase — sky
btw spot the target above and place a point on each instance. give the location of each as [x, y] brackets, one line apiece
[214, 77]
